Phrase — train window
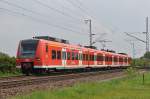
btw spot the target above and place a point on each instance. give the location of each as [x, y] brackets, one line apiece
[76, 56]
[110, 59]
[92, 57]
[115, 59]
[81, 56]
[72, 55]
[95, 57]
[46, 48]
[53, 54]
[68, 55]
[87, 58]
[64, 55]
[126, 60]
[99, 58]
[120, 59]
[84, 57]
[58, 54]
[106, 58]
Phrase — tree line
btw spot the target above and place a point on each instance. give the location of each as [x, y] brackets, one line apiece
[143, 61]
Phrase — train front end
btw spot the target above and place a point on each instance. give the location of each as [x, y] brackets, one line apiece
[26, 55]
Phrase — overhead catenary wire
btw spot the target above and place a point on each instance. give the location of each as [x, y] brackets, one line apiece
[31, 11]
[56, 10]
[76, 5]
[74, 19]
[25, 9]
[40, 20]
[81, 8]
[77, 13]
[80, 5]
[17, 6]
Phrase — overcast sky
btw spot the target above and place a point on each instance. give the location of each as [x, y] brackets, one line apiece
[23, 19]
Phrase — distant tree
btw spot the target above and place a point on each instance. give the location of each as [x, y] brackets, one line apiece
[3, 54]
[147, 55]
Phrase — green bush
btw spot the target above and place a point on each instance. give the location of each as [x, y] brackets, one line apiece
[7, 63]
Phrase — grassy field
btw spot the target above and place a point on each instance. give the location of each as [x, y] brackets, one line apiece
[125, 88]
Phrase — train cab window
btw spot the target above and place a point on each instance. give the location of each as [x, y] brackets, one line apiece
[73, 56]
[68, 55]
[46, 48]
[58, 54]
[64, 55]
[27, 48]
[53, 54]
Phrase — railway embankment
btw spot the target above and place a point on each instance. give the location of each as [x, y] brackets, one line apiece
[133, 87]
[58, 83]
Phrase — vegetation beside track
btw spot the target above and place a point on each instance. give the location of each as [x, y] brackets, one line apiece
[8, 74]
[8, 65]
[131, 87]
[142, 61]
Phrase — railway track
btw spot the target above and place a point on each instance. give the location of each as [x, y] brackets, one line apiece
[17, 82]
[11, 77]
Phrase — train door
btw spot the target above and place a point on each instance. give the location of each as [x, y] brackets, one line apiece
[64, 55]
[127, 61]
[80, 58]
[95, 59]
[113, 63]
[118, 61]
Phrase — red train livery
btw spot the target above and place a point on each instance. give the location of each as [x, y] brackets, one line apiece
[47, 53]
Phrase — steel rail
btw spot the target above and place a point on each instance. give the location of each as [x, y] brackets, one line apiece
[45, 79]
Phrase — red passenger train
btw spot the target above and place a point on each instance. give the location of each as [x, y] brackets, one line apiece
[45, 53]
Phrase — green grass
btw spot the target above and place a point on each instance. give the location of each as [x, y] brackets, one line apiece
[125, 88]
[7, 74]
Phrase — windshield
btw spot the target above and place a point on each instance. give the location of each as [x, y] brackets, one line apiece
[28, 48]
